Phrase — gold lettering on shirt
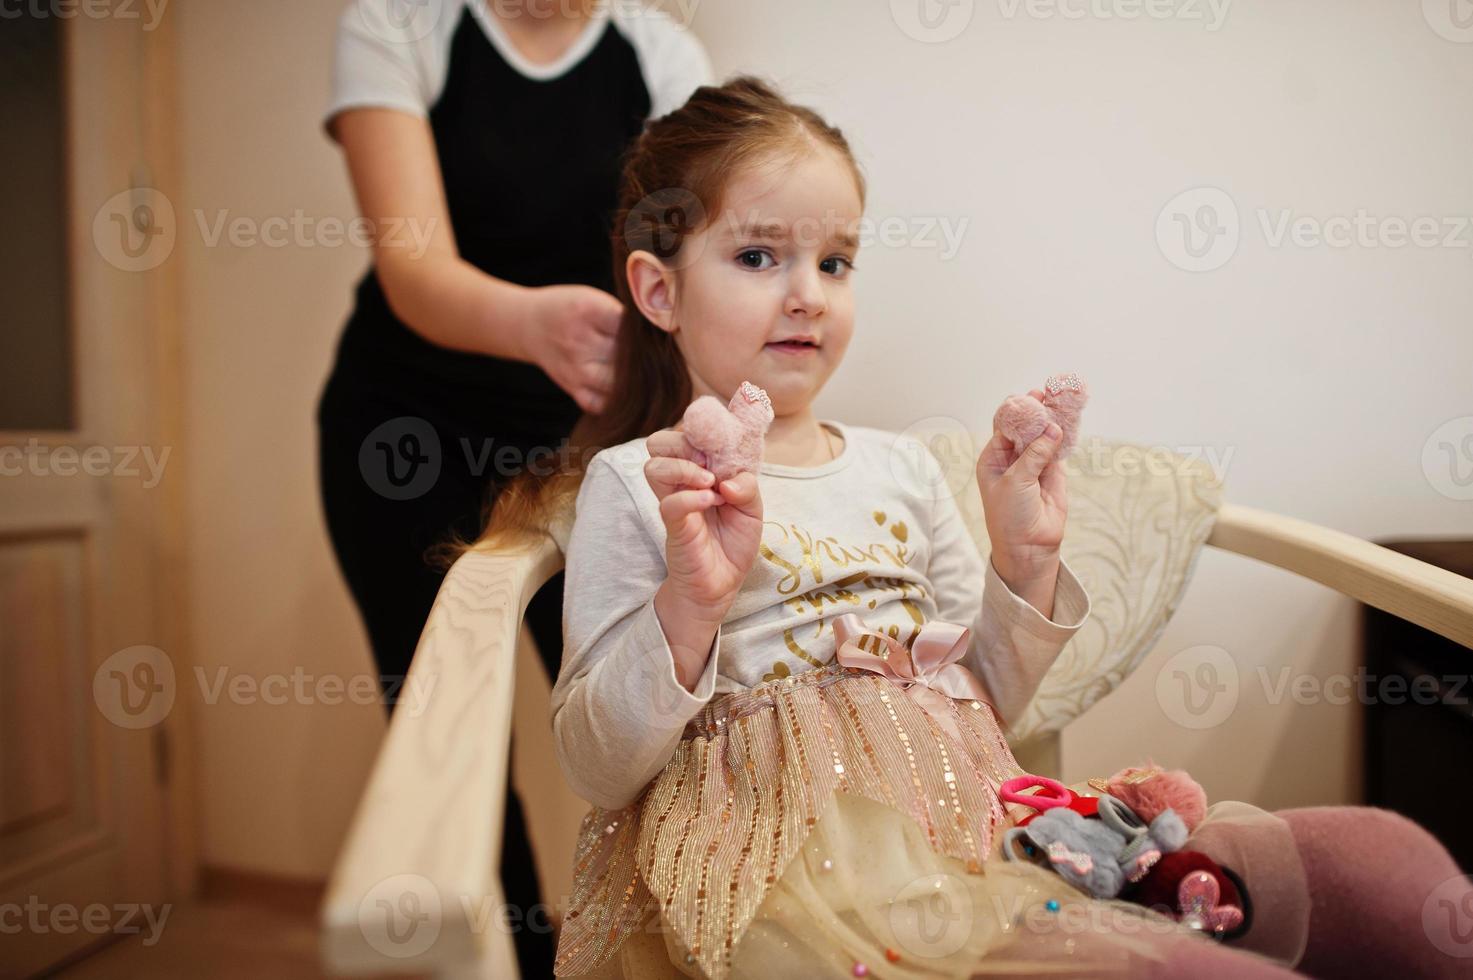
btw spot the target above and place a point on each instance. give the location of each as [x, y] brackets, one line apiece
[819, 600]
[815, 554]
[818, 558]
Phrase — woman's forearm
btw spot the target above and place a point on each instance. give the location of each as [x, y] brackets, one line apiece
[450, 302]
[396, 179]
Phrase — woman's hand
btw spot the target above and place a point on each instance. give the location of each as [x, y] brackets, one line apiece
[711, 531]
[570, 334]
[1026, 504]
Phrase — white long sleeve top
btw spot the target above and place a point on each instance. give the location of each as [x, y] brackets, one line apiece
[873, 531]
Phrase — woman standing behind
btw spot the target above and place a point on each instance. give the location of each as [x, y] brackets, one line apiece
[484, 139]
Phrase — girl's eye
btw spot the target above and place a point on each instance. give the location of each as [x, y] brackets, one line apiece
[837, 265]
[753, 258]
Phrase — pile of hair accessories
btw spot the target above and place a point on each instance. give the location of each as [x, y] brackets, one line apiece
[1128, 842]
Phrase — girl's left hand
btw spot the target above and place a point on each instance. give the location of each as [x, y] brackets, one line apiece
[1025, 505]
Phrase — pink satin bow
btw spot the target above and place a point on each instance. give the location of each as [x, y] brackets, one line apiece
[928, 669]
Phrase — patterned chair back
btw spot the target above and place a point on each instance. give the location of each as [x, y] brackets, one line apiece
[1138, 518]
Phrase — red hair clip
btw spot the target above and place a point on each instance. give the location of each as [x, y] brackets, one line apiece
[1052, 794]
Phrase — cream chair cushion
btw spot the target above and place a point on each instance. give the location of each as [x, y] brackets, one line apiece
[1138, 518]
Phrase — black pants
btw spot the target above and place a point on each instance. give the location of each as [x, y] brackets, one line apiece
[400, 465]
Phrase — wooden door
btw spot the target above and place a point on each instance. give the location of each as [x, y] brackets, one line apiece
[93, 827]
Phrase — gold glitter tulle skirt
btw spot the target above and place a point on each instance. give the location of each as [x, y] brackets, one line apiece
[820, 822]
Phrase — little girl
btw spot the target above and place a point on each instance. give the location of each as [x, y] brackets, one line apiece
[759, 808]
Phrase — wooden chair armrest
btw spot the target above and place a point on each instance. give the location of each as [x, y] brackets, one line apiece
[417, 885]
[1431, 597]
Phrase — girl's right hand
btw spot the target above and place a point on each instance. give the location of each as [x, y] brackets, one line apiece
[711, 531]
[571, 334]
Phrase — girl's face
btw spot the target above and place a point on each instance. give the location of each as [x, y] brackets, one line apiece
[763, 292]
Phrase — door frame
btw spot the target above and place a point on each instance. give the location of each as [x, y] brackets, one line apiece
[125, 543]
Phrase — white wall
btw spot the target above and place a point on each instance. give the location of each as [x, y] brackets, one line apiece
[278, 781]
[1316, 374]
[1321, 371]
[267, 605]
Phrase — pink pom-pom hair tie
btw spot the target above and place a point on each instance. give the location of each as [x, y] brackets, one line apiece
[1023, 418]
[1149, 790]
[728, 439]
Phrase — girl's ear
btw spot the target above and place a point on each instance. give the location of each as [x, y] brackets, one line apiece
[652, 287]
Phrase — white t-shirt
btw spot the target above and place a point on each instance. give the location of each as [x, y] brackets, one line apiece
[873, 531]
[397, 54]
[529, 161]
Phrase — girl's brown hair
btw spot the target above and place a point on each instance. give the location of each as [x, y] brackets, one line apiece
[674, 180]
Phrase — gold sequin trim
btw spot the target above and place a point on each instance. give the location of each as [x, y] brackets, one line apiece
[750, 777]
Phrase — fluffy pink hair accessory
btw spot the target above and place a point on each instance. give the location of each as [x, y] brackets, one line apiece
[1149, 789]
[1022, 418]
[727, 439]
